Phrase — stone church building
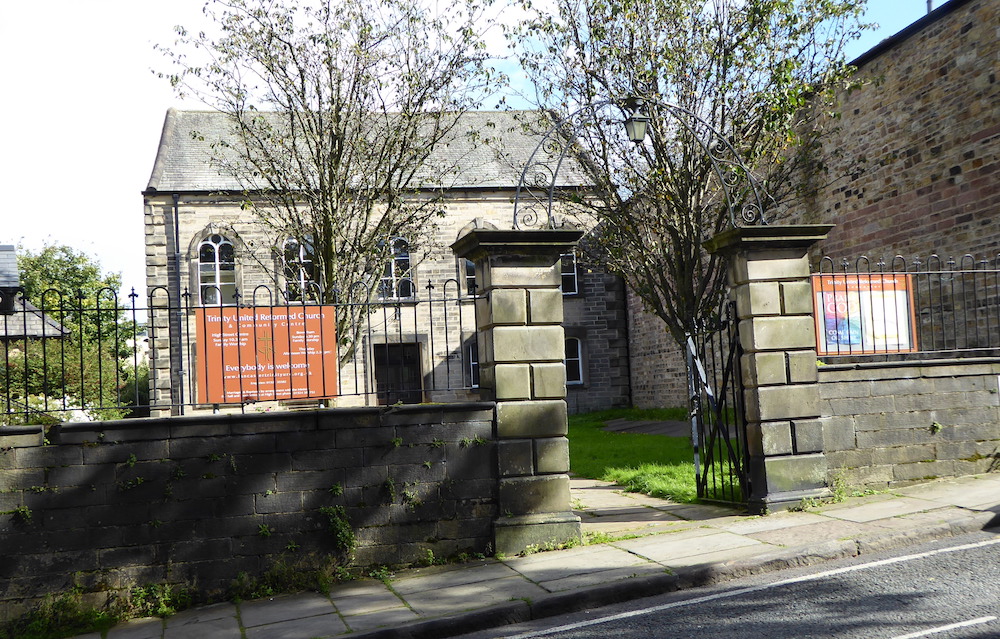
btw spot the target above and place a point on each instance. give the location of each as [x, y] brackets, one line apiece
[205, 250]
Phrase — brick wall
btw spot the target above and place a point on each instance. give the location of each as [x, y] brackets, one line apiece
[892, 424]
[658, 369]
[928, 129]
[199, 500]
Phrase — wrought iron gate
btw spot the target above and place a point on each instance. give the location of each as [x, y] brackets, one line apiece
[718, 422]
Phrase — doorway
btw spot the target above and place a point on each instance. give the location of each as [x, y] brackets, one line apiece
[397, 373]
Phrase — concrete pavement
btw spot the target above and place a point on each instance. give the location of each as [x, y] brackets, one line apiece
[653, 546]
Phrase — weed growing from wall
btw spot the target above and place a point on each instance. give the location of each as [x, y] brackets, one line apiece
[340, 528]
[309, 572]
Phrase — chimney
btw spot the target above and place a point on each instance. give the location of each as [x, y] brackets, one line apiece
[10, 281]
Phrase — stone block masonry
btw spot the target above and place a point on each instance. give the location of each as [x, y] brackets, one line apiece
[201, 499]
[887, 425]
[521, 349]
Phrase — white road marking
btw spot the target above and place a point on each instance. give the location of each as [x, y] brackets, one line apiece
[743, 591]
[934, 631]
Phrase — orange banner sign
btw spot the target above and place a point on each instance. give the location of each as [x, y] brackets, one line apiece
[864, 314]
[265, 353]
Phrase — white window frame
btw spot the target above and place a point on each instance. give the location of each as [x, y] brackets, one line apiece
[472, 363]
[469, 276]
[222, 281]
[397, 280]
[568, 271]
[300, 270]
[576, 355]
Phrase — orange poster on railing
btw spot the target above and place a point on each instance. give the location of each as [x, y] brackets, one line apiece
[864, 314]
[265, 353]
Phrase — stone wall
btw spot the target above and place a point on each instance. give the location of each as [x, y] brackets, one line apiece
[889, 424]
[927, 129]
[598, 317]
[201, 499]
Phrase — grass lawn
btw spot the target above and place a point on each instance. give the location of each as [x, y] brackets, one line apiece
[652, 464]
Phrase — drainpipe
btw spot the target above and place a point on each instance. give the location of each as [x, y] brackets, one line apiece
[177, 352]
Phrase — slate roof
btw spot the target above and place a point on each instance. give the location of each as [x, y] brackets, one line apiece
[28, 320]
[184, 159]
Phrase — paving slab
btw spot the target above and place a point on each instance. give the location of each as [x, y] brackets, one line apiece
[366, 603]
[667, 548]
[427, 580]
[881, 509]
[614, 528]
[831, 529]
[774, 521]
[385, 618]
[205, 629]
[546, 567]
[592, 495]
[213, 612]
[269, 611]
[719, 556]
[317, 627]
[218, 621]
[150, 628]
[979, 493]
[473, 596]
[937, 516]
[700, 512]
[602, 577]
[627, 518]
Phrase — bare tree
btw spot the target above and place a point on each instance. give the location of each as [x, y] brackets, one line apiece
[738, 94]
[337, 109]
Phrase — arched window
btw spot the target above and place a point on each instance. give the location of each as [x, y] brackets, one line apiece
[574, 361]
[567, 265]
[396, 280]
[299, 270]
[217, 271]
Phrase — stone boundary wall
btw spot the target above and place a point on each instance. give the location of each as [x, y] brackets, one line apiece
[889, 424]
[200, 500]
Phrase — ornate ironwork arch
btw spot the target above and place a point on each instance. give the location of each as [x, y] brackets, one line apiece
[538, 186]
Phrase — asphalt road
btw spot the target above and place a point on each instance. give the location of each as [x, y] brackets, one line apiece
[949, 589]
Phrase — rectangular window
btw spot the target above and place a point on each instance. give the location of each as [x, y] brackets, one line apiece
[567, 265]
[300, 283]
[472, 355]
[470, 277]
[574, 361]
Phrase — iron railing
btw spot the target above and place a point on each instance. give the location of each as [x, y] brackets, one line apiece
[908, 309]
[71, 358]
[718, 418]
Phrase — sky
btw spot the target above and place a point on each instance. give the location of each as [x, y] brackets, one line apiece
[82, 114]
